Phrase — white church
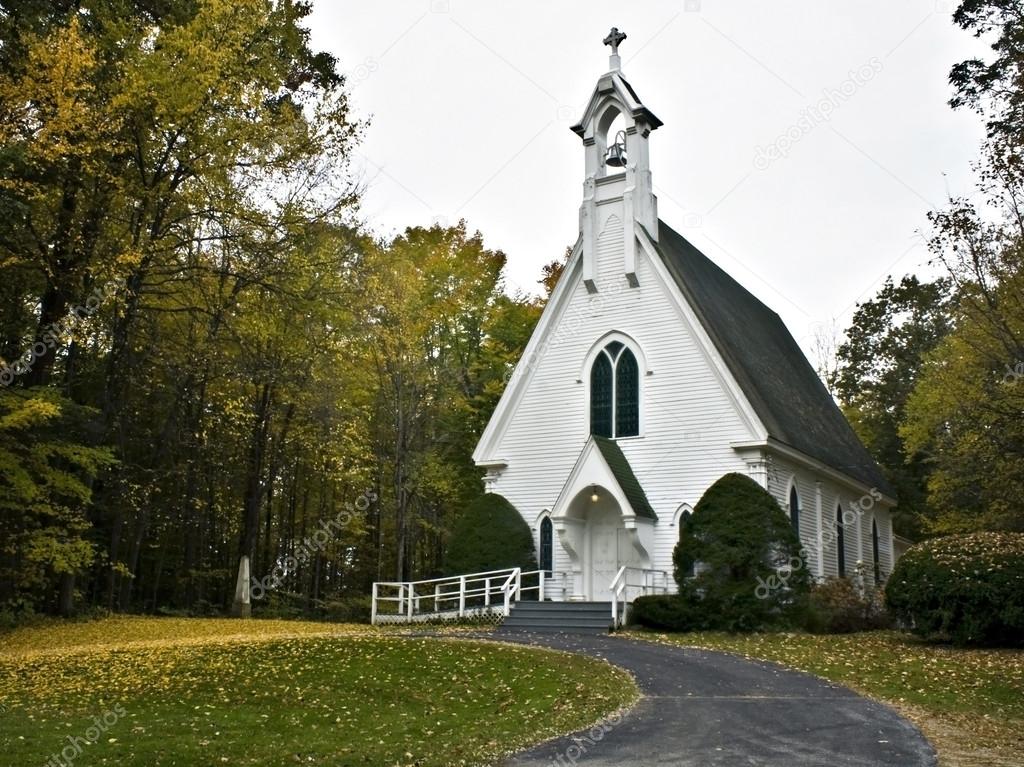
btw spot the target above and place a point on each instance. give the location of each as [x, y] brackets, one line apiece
[651, 374]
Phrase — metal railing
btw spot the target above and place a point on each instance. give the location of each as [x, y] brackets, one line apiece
[624, 590]
[490, 593]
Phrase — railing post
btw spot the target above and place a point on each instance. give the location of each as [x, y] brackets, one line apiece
[462, 596]
[540, 586]
[487, 592]
[519, 584]
[437, 597]
[412, 599]
[373, 605]
[401, 598]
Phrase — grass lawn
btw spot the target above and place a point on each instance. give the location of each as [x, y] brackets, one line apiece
[212, 692]
[968, 703]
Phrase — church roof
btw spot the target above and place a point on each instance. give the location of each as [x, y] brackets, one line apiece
[624, 475]
[782, 387]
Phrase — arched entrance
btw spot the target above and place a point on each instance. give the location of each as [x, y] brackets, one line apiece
[599, 540]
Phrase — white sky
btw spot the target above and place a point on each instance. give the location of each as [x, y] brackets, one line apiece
[471, 102]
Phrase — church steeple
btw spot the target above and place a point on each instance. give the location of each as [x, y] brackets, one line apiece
[623, 187]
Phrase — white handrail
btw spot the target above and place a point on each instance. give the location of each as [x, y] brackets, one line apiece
[620, 586]
[454, 595]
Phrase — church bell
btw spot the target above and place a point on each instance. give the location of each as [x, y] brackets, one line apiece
[616, 157]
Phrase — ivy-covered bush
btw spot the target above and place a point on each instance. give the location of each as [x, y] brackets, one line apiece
[489, 534]
[967, 589]
[839, 606]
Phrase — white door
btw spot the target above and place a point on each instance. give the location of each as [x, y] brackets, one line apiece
[603, 529]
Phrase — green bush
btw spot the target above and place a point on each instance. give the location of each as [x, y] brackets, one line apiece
[664, 612]
[489, 534]
[353, 609]
[967, 589]
[751, 573]
[838, 606]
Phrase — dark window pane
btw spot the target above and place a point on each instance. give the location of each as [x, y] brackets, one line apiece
[546, 539]
[794, 510]
[874, 551]
[840, 542]
[601, 397]
[627, 396]
[614, 348]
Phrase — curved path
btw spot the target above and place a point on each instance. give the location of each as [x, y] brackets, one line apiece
[708, 709]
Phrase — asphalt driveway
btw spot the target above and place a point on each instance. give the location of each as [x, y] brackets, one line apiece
[707, 708]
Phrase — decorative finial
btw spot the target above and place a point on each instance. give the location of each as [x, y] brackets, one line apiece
[614, 39]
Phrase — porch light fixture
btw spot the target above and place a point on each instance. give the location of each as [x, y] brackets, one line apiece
[594, 497]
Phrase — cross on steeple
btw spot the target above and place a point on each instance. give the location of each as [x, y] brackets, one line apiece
[614, 39]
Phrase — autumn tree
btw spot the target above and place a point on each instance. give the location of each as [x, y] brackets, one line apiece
[965, 411]
[880, 363]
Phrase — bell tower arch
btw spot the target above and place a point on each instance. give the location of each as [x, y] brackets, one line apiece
[617, 170]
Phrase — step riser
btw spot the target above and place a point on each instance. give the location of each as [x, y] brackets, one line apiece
[535, 611]
[560, 617]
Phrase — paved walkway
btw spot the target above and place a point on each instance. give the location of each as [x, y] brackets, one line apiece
[708, 709]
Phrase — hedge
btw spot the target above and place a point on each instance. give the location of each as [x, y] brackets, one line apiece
[967, 589]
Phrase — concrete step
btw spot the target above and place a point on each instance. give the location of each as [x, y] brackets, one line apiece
[568, 617]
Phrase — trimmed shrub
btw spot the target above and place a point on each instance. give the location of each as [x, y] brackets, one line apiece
[967, 589]
[489, 534]
[750, 569]
[838, 606]
[664, 612]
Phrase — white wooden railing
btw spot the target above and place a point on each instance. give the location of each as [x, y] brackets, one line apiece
[632, 582]
[461, 596]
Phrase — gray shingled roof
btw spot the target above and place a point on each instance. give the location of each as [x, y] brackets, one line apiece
[767, 363]
[624, 475]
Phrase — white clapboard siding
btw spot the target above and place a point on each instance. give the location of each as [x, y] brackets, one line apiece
[687, 418]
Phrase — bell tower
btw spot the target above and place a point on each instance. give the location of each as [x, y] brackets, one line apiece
[618, 170]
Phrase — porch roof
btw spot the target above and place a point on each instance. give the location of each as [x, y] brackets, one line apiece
[624, 475]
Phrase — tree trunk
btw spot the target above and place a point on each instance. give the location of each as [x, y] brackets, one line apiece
[66, 601]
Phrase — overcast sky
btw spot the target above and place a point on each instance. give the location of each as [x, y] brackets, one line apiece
[470, 106]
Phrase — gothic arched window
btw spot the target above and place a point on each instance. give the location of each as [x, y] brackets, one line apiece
[546, 548]
[874, 551]
[615, 392]
[794, 509]
[840, 542]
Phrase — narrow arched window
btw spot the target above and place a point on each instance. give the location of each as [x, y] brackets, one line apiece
[601, 396]
[615, 393]
[794, 509]
[840, 542]
[546, 549]
[874, 552]
[688, 565]
[627, 395]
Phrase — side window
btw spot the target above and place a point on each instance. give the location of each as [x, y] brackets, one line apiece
[874, 552]
[546, 547]
[794, 509]
[840, 542]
